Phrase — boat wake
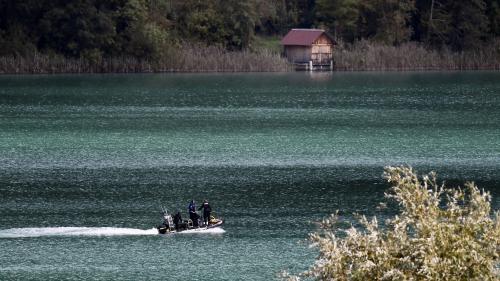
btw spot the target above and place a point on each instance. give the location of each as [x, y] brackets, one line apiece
[89, 231]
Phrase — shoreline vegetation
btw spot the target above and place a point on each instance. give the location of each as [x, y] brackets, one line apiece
[186, 59]
[362, 56]
[140, 36]
[413, 56]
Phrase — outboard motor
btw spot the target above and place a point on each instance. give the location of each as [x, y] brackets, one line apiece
[162, 229]
[167, 224]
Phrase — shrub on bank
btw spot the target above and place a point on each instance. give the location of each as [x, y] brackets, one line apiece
[441, 234]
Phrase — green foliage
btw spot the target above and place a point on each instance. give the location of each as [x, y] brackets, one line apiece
[394, 27]
[271, 44]
[340, 17]
[76, 28]
[15, 41]
[301, 13]
[441, 234]
[386, 21]
[493, 13]
[271, 17]
[228, 23]
[462, 25]
[83, 28]
[240, 19]
[199, 20]
[470, 24]
[18, 26]
[148, 29]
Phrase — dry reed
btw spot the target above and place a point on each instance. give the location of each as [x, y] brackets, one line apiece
[192, 58]
[366, 56]
[362, 56]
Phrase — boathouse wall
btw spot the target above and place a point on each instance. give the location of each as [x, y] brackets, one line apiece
[298, 54]
[310, 47]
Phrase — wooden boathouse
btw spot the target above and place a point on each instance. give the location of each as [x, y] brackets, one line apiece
[309, 49]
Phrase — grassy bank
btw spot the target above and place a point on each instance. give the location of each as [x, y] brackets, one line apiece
[188, 58]
[366, 56]
[362, 56]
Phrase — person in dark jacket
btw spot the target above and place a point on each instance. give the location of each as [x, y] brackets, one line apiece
[192, 213]
[177, 221]
[206, 212]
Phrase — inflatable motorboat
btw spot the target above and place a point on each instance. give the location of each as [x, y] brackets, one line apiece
[175, 224]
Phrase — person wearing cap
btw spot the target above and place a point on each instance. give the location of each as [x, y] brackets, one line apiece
[206, 211]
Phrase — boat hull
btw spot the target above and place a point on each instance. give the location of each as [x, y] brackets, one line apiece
[166, 230]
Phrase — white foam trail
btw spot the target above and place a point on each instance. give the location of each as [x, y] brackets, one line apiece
[74, 231]
[92, 231]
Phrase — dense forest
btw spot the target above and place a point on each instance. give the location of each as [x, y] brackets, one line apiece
[93, 30]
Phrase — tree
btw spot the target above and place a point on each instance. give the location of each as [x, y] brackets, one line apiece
[227, 23]
[493, 13]
[469, 22]
[386, 21]
[146, 28]
[77, 27]
[239, 19]
[441, 234]
[300, 13]
[340, 17]
[200, 21]
[461, 25]
[268, 17]
[135, 32]
[19, 26]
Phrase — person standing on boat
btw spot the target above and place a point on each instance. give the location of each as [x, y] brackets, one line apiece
[192, 213]
[206, 212]
[178, 221]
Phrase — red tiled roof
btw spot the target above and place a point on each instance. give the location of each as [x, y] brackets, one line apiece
[302, 37]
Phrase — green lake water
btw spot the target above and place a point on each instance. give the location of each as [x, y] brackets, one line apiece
[87, 160]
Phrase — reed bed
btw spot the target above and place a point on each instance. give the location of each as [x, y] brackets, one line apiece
[190, 58]
[362, 56]
[366, 56]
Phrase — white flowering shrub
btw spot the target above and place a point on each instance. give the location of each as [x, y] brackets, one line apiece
[441, 234]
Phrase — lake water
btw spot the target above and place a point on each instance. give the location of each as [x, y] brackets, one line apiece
[86, 161]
